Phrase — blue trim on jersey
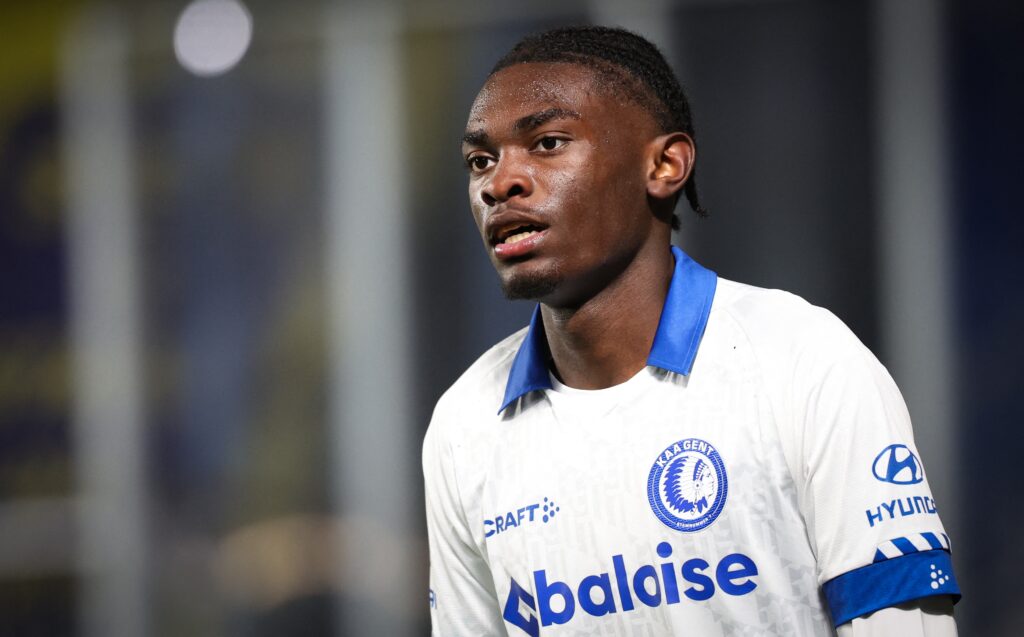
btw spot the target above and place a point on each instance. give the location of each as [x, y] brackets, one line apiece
[680, 328]
[932, 540]
[894, 581]
[904, 545]
[529, 368]
[684, 316]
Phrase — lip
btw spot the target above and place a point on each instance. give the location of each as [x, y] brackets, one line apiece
[521, 248]
[503, 224]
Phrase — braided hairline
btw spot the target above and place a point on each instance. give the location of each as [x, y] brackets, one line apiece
[628, 64]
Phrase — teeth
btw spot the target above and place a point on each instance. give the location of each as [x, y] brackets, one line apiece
[516, 238]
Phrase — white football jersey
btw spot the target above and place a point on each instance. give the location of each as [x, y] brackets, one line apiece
[758, 477]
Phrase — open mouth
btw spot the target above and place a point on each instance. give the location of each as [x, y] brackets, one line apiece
[517, 233]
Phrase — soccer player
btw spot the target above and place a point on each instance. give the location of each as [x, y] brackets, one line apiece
[662, 451]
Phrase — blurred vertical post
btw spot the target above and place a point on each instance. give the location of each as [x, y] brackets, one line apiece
[913, 222]
[372, 459]
[105, 329]
[649, 18]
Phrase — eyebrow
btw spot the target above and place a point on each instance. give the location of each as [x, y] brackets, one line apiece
[533, 120]
[475, 138]
[523, 124]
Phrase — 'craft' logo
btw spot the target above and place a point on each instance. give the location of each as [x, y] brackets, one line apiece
[687, 485]
[897, 465]
[938, 579]
[504, 522]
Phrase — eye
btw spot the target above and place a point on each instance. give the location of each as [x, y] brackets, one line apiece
[550, 143]
[479, 163]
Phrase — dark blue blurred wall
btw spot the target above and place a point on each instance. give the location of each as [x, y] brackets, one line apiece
[987, 71]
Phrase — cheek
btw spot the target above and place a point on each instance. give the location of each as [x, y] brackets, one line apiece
[564, 187]
[476, 205]
[613, 186]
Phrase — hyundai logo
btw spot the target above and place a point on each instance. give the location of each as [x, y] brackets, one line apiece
[897, 464]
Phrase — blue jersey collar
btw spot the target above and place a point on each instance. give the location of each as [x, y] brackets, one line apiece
[680, 329]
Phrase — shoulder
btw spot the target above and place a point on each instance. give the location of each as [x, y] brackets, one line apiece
[809, 363]
[477, 393]
[459, 434]
[781, 325]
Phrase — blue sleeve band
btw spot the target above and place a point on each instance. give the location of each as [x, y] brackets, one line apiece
[894, 581]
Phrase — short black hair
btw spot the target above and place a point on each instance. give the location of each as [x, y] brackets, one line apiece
[631, 65]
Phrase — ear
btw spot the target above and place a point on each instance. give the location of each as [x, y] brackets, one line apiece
[670, 159]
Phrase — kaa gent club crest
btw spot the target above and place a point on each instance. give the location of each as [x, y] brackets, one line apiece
[688, 486]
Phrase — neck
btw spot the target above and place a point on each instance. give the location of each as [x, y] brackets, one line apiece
[606, 340]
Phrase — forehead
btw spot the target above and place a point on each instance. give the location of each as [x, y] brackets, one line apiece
[524, 88]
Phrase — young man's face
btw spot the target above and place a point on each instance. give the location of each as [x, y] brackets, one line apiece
[558, 180]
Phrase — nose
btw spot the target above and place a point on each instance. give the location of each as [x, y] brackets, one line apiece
[508, 179]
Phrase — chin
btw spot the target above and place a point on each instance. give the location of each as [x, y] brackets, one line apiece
[532, 286]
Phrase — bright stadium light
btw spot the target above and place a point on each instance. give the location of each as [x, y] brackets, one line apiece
[211, 36]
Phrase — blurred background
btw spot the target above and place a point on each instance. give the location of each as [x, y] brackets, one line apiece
[237, 268]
